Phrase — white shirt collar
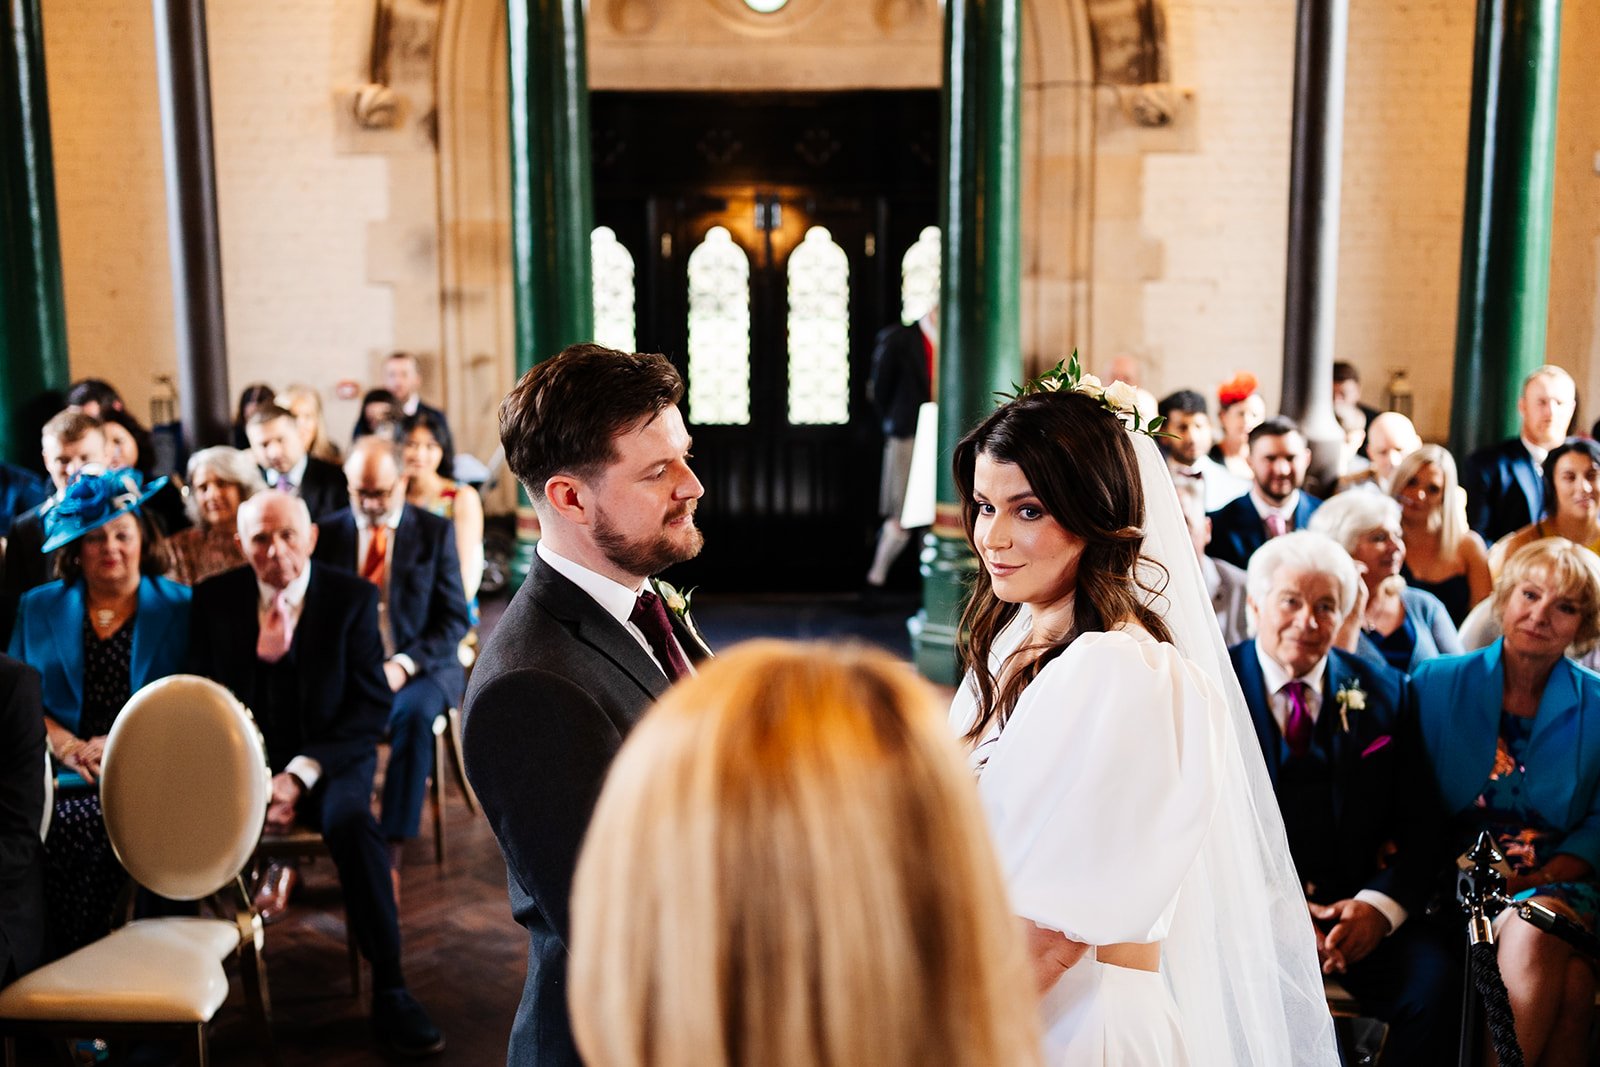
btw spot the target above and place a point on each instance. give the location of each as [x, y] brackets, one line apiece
[410, 406]
[617, 599]
[296, 474]
[1286, 509]
[391, 519]
[1276, 677]
[295, 591]
[1538, 454]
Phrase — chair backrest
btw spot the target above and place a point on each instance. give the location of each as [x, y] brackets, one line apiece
[184, 786]
[49, 795]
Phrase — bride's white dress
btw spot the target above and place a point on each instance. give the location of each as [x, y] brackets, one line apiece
[1099, 793]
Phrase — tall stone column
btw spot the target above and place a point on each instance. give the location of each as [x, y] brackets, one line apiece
[33, 323]
[552, 198]
[1315, 172]
[980, 220]
[1505, 242]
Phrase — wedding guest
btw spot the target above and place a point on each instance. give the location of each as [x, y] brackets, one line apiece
[1224, 581]
[1398, 625]
[1443, 555]
[128, 445]
[1188, 446]
[22, 808]
[285, 466]
[428, 461]
[1347, 394]
[1276, 502]
[1339, 735]
[1513, 733]
[110, 625]
[306, 405]
[1503, 484]
[379, 413]
[402, 379]
[1390, 439]
[826, 941]
[220, 479]
[1571, 502]
[1240, 410]
[251, 397]
[20, 491]
[94, 397]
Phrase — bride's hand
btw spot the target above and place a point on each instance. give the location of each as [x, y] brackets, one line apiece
[1050, 952]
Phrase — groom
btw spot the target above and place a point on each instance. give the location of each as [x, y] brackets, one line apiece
[595, 437]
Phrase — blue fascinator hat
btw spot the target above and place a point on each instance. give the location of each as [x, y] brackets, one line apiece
[93, 499]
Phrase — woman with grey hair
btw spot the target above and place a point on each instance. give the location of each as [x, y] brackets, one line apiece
[220, 479]
[1398, 625]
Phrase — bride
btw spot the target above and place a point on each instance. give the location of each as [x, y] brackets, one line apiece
[1130, 807]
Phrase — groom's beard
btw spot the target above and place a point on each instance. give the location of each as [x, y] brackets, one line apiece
[649, 555]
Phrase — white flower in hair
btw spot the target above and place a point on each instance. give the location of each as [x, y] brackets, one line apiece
[1121, 396]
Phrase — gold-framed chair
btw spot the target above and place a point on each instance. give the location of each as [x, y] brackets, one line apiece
[183, 788]
[447, 749]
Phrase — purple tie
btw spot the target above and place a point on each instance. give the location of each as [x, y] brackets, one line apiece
[650, 616]
[1276, 525]
[1297, 724]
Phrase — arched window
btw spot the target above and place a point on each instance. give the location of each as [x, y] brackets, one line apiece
[819, 331]
[613, 290]
[719, 332]
[919, 276]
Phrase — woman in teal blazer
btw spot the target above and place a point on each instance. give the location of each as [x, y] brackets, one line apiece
[98, 635]
[1513, 735]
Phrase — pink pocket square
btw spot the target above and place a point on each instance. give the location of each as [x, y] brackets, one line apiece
[1380, 743]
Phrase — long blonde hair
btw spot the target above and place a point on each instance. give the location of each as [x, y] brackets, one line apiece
[1449, 520]
[788, 865]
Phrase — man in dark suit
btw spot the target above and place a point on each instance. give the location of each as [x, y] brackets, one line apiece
[410, 556]
[1275, 504]
[20, 491]
[298, 644]
[402, 379]
[902, 381]
[596, 439]
[1342, 746]
[281, 454]
[21, 814]
[1505, 488]
[69, 442]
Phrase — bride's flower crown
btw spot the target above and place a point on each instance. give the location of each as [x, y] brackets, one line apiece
[1119, 398]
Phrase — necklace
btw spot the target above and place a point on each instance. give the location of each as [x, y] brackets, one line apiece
[103, 616]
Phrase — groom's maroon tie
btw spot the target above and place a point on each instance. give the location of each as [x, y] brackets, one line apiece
[650, 616]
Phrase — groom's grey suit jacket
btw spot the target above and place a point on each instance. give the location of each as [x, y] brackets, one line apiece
[559, 685]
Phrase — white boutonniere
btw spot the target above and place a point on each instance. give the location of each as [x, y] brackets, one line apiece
[677, 603]
[1350, 697]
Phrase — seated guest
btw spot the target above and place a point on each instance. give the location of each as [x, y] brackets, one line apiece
[297, 642]
[1240, 409]
[1443, 556]
[1503, 485]
[737, 780]
[20, 490]
[220, 479]
[128, 445]
[1275, 504]
[22, 749]
[1353, 425]
[409, 555]
[1347, 395]
[378, 409]
[428, 463]
[1390, 439]
[306, 405]
[1188, 445]
[275, 440]
[107, 628]
[1398, 625]
[1340, 741]
[69, 442]
[1513, 733]
[252, 397]
[402, 378]
[1570, 504]
[94, 397]
[1224, 581]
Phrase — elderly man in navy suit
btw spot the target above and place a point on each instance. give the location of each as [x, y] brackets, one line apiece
[1343, 749]
[1276, 504]
[410, 557]
[1505, 490]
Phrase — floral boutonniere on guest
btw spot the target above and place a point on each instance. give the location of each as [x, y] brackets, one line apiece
[677, 604]
[1350, 697]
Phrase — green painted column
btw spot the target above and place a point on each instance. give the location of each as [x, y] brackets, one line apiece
[33, 322]
[552, 198]
[1505, 243]
[980, 218]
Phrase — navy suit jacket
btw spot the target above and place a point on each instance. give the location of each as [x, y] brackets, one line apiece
[427, 609]
[342, 693]
[1237, 529]
[559, 685]
[1382, 791]
[49, 638]
[1505, 491]
[20, 490]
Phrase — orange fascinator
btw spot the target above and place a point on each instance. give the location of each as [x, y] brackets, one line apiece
[1242, 387]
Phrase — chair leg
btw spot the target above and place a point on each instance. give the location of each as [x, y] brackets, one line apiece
[11, 1052]
[438, 798]
[454, 715]
[253, 970]
[196, 1051]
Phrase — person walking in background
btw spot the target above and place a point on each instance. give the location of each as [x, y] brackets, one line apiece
[903, 361]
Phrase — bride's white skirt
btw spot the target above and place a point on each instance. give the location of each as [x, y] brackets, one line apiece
[1102, 1015]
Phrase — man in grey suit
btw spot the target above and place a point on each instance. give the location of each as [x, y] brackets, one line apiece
[589, 641]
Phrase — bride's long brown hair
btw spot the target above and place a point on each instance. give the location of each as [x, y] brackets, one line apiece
[1080, 463]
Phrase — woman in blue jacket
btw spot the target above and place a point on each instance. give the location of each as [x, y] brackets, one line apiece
[1513, 734]
[108, 627]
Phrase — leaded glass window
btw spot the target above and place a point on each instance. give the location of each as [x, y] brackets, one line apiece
[613, 290]
[719, 332]
[819, 331]
[919, 276]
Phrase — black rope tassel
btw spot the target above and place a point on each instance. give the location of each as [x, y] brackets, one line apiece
[1496, 1003]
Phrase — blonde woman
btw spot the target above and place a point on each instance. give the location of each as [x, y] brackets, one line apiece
[788, 866]
[306, 405]
[1443, 554]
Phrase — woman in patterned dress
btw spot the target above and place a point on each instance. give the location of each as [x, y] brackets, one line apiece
[428, 460]
[220, 479]
[97, 635]
[1513, 733]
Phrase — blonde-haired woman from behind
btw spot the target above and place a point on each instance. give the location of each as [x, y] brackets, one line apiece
[788, 865]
